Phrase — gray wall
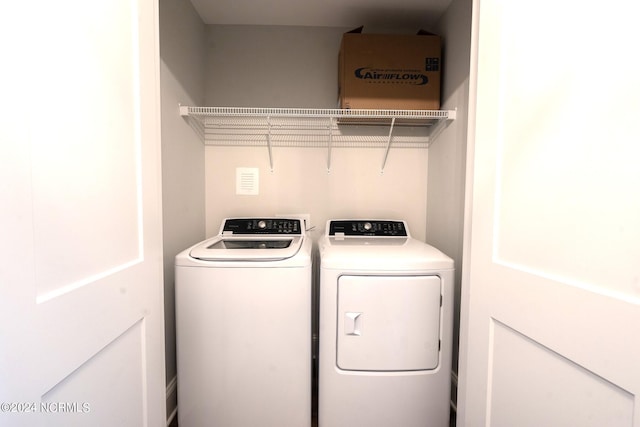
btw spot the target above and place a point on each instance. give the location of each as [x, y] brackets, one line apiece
[447, 168]
[272, 66]
[182, 71]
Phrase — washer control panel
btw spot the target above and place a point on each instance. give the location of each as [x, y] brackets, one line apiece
[262, 226]
[363, 227]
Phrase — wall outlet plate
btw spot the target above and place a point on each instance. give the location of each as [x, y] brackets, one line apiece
[247, 181]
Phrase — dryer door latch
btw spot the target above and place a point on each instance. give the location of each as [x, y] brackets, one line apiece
[353, 324]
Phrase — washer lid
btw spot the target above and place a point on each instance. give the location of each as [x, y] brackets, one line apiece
[247, 248]
[252, 239]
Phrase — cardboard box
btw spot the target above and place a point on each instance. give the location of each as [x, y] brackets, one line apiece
[389, 71]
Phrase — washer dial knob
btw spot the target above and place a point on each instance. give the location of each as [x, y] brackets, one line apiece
[367, 226]
[262, 224]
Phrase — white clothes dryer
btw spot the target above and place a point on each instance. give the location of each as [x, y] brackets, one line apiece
[243, 326]
[386, 313]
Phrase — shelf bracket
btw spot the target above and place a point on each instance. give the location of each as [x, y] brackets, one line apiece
[269, 143]
[386, 152]
[329, 144]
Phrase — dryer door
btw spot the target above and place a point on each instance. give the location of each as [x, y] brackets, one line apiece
[388, 323]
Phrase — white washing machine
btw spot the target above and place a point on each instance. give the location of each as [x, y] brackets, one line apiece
[243, 325]
[386, 313]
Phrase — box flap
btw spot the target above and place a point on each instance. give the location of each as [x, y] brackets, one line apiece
[425, 33]
[421, 32]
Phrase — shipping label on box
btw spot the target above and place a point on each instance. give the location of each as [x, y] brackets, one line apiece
[389, 71]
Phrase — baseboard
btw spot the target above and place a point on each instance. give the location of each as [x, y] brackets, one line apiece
[172, 400]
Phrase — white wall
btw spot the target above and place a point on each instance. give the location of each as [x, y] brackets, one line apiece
[272, 66]
[182, 46]
[447, 168]
[269, 66]
[300, 184]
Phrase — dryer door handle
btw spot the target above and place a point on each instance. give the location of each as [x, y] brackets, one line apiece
[353, 324]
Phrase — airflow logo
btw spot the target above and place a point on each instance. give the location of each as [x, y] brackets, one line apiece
[392, 76]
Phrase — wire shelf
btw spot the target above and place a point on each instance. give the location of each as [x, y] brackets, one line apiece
[316, 113]
[309, 127]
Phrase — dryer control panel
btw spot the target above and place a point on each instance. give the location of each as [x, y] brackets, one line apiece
[363, 227]
[262, 226]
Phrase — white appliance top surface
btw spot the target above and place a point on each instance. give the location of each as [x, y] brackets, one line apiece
[252, 239]
[382, 252]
